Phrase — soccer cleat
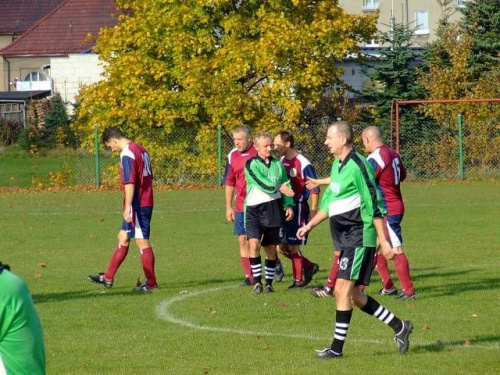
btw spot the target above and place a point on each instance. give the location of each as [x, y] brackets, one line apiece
[268, 289]
[404, 297]
[402, 339]
[279, 272]
[321, 291]
[388, 292]
[328, 353]
[257, 288]
[309, 273]
[100, 279]
[246, 282]
[297, 285]
[144, 288]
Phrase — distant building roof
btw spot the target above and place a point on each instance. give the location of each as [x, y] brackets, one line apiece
[66, 29]
[6, 96]
[19, 15]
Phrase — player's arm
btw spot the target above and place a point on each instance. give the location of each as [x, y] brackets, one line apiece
[315, 221]
[365, 183]
[310, 173]
[129, 178]
[129, 196]
[229, 200]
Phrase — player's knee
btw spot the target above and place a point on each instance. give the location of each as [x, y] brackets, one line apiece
[397, 250]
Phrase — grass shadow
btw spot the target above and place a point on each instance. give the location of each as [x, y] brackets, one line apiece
[439, 346]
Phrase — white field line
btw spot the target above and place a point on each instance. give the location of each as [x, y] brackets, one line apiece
[163, 312]
[489, 204]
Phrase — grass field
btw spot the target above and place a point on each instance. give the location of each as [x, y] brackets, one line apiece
[200, 322]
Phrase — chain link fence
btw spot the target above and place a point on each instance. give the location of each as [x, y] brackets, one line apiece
[463, 143]
[185, 156]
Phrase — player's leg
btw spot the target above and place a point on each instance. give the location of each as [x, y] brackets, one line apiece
[271, 258]
[119, 254]
[350, 269]
[327, 289]
[239, 230]
[388, 288]
[142, 232]
[367, 304]
[401, 263]
[254, 234]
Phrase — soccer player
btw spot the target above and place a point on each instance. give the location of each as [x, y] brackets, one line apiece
[389, 173]
[352, 204]
[268, 204]
[22, 349]
[236, 189]
[298, 169]
[136, 178]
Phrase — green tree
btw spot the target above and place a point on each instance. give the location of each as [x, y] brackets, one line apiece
[57, 124]
[202, 63]
[394, 75]
[482, 22]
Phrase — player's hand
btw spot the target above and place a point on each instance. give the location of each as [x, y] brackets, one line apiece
[312, 183]
[284, 189]
[128, 214]
[386, 250]
[302, 231]
[289, 214]
[229, 214]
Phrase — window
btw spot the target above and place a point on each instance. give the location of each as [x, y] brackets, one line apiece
[35, 77]
[372, 43]
[461, 3]
[370, 4]
[421, 22]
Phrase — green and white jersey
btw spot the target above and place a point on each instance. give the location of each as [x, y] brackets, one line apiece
[264, 181]
[22, 350]
[351, 201]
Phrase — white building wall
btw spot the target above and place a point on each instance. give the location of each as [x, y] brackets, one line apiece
[70, 73]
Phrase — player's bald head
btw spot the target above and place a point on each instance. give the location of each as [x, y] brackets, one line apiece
[372, 132]
[343, 129]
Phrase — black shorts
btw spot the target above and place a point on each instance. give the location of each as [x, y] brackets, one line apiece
[266, 222]
[356, 264]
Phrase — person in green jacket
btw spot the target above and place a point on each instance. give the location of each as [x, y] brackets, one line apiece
[269, 202]
[22, 349]
[352, 204]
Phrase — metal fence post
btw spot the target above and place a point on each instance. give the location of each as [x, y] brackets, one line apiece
[460, 148]
[219, 152]
[96, 157]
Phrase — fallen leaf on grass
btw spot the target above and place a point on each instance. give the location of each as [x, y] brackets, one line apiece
[206, 370]
[474, 315]
[426, 327]
[38, 275]
[183, 292]
[282, 304]
[42, 265]
[468, 342]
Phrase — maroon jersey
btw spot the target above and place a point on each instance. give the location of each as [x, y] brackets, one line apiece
[298, 169]
[389, 172]
[135, 168]
[235, 174]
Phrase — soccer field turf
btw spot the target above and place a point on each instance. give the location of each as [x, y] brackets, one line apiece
[201, 322]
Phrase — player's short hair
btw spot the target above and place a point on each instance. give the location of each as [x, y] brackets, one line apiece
[110, 133]
[262, 135]
[344, 129]
[243, 129]
[286, 136]
[374, 131]
[4, 267]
